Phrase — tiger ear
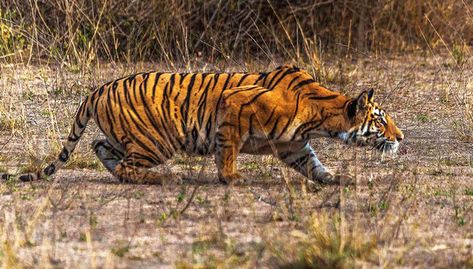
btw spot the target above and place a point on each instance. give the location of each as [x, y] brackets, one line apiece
[364, 98]
[370, 95]
[359, 103]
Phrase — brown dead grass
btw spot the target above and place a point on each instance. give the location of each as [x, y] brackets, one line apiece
[77, 34]
[414, 210]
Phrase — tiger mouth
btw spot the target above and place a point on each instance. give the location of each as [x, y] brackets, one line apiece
[381, 144]
[386, 146]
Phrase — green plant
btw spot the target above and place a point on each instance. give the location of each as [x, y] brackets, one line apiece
[423, 118]
[459, 54]
[469, 192]
[181, 196]
[82, 237]
[120, 250]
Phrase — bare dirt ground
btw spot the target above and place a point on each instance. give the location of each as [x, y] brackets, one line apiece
[414, 208]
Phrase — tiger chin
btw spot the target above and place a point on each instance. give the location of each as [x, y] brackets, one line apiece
[146, 118]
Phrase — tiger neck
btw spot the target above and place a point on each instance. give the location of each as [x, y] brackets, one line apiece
[327, 112]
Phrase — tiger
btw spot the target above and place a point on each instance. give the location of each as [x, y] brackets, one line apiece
[147, 117]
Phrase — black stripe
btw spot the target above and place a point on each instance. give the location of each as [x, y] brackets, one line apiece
[162, 149]
[270, 116]
[101, 90]
[185, 106]
[81, 110]
[242, 79]
[202, 104]
[133, 137]
[109, 112]
[151, 118]
[26, 178]
[292, 81]
[143, 82]
[96, 106]
[208, 129]
[304, 128]
[49, 170]
[64, 156]
[92, 102]
[328, 97]
[275, 126]
[286, 73]
[284, 129]
[155, 84]
[250, 131]
[131, 106]
[250, 88]
[261, 76]
[165, 121]
[84, 106]
[249, 103]
[222, 90]
[303, 83]
[274, 77]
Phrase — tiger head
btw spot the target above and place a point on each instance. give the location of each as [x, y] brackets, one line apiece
[371, 125]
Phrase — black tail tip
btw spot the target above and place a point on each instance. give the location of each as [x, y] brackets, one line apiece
[26, 177]
[5, 176]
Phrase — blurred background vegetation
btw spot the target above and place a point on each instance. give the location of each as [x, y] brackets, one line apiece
[85, 31]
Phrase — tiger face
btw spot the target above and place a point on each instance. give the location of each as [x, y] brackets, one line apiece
[372, 126]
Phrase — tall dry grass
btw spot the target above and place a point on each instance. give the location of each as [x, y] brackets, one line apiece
[73, 31]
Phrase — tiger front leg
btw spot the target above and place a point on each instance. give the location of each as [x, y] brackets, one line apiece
[225, 158]
[244, 113]
[302, 158]
[228, 143]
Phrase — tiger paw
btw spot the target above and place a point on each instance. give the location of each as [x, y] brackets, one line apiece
[313, 186]
[328, 178]
[231, 179]
[344, 180]
[325, 178]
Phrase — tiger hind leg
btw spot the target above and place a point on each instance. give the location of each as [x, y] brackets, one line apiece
[128, 171]
[107, 154]
[136, 166]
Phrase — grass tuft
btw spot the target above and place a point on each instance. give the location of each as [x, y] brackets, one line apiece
[328, 245]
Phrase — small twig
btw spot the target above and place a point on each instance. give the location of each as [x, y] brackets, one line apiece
[402, 83]
[194, 191]
[260, 198]
[214, 15]
[325, 202]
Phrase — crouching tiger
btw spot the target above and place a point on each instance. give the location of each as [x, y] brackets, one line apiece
[147, 117]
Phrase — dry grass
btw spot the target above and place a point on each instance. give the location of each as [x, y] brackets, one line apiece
[328, 244]
[76, 34]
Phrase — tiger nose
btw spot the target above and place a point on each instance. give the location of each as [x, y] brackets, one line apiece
[399, 136]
